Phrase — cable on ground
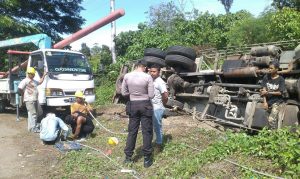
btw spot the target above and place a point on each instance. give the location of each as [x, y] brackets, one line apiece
[131, 172]
[242, 166]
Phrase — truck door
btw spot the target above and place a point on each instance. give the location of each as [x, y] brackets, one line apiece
[37, 61]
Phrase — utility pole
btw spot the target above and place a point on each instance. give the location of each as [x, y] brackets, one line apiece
[113, 33]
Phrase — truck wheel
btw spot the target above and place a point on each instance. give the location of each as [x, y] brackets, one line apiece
[181, 61]
[184, 51]
[2, 106]
[155, 52]
[172, 103]
[151, 60]
[290, 116]
[119, 83]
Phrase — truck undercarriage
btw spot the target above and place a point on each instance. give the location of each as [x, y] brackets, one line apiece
[224, 85]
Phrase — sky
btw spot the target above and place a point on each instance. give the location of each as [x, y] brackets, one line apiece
[135, 14]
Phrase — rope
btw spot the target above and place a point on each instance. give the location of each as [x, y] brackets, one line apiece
[258, 172]
[242, 166]
[132, 172]
[118, 133]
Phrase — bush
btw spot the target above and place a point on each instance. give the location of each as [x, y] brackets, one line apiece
[105, 91]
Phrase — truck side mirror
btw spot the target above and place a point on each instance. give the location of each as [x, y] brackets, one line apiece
[40, 65]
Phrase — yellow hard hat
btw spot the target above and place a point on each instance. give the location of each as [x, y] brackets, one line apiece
[79, 94]
[31, 70]
[113, 141]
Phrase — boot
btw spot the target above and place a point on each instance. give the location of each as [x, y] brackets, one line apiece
[128, 160]
[158, 148]
[147, 161]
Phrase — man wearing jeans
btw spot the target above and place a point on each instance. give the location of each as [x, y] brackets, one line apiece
[138, 85]
[158, 102]
[51, 126]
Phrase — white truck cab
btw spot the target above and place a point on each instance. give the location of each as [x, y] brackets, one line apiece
[68, 71]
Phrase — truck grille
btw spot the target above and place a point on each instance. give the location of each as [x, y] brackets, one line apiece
[69, 93]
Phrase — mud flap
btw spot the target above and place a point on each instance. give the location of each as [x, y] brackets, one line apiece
[258, 118]
[288, 116]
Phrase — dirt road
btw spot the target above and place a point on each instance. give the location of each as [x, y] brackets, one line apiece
[22, 155]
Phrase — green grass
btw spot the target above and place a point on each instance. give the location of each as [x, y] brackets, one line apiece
[105, 92]
[188, 152]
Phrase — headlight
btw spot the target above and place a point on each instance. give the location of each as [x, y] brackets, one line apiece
[89, 91]
[54, 92]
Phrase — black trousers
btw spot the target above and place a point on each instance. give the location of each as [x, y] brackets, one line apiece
[86, 128]
[139, 112]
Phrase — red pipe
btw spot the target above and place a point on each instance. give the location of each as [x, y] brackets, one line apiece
[83, 32]
[18, 52]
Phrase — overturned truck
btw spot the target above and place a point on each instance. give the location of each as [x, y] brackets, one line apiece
[223, 85]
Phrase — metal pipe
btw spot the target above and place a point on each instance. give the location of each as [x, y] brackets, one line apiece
[241, 72]
[239, 85]
[113, 33]
[83, 32]
[18, 52]
[201, 73]
[14, 69]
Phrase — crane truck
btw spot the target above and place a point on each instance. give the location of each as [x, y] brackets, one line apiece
[68, 71]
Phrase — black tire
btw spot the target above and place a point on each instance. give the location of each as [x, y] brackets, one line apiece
[2, 106]
[119, 83]
[233, 64]
[155, 52]
[184, 51]
[172, 103]
[181, 61]
[151, 60]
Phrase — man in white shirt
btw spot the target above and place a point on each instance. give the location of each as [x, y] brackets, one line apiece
[28, 88]
[158, 102]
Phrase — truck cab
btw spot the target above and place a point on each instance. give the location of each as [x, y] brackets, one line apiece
[68, 71]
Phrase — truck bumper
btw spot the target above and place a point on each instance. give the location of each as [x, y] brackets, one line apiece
[66, 101]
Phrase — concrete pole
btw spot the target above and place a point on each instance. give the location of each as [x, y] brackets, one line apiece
[113, 33]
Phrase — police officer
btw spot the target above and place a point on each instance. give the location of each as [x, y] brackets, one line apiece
[138, 85]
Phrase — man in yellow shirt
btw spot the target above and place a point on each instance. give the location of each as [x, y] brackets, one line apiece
[81, 123]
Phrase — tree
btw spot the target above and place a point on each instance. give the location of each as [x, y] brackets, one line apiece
[248, 31]
[227, 5]
[53, 17]
[123, 41]
[85, 50]
[280, 4]
[164, 15]
[95, 50]
[95, 58]
[284, 25]
[105, 55]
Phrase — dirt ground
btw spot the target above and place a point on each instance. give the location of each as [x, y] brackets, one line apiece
[23, 155]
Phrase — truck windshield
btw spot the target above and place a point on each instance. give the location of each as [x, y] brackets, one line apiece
[66, 62]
